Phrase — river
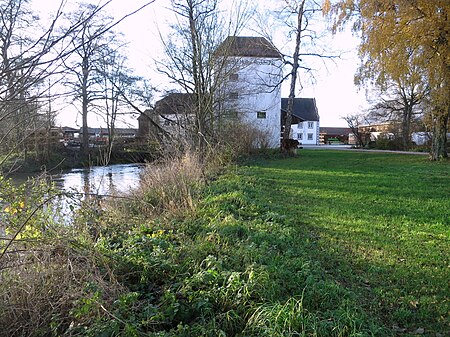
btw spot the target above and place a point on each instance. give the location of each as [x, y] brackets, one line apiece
[103, 181]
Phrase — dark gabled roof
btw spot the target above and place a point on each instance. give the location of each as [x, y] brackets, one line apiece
[69, 129]
[335, 131]
[147, 114]
[248, 46]
[93, 130]
[175, 103]
[305, 109]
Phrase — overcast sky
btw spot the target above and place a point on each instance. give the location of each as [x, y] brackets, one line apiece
[333, 88]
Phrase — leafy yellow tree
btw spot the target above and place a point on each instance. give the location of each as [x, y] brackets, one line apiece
[398, 35]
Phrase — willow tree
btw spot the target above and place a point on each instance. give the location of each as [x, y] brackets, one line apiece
[398, 35]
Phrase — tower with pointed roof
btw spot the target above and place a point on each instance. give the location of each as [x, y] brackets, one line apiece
[252, 89]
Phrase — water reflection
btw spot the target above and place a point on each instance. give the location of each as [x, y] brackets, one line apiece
[101, 180]
[92, 184]
[87, 185]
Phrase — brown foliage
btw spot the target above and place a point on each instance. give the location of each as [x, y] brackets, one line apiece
[42, 285]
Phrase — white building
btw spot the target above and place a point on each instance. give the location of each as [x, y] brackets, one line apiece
[305, 120]
[252, 89]
[250, 77]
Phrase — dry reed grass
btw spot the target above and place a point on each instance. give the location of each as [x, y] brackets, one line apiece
[170, 185]
[43, 287]
[243, 139]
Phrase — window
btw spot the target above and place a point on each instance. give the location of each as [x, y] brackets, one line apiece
[310, 125]
[230, 114]
[234, 77]
[233, 95]
[261, 114]
[299, 136]
[310, 136]
[300, 125]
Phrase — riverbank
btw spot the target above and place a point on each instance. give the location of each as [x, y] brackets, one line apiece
[330, 243]
[70, 158]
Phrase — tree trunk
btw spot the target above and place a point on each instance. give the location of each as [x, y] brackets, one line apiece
[439, 140]
[294, 74]
[406, 127]
[85, 142]
[199, 88]
[85, 103]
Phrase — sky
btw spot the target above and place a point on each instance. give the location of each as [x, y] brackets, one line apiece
[336, 96]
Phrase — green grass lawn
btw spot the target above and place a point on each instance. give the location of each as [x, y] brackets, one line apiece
[378, 225]
[330, 243]
[362, 235]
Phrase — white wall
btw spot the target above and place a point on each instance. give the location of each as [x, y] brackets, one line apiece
[258, 95]
[303, 131]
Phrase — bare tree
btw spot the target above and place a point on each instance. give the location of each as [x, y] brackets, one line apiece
[89, 41]
[297, 16]
[92, 33]
[355, 122]
[299, 11]
[304, 12]
[195, 63]
[31, 57]
[193, 66]
[21, 73]
[119, 88]
[400, 103]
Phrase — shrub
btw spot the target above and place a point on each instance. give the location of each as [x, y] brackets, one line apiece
[51, 278]
[170, 185]
[243, 139]
[385, 142]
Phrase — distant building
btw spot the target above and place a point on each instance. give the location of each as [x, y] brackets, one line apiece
[101, 136]
[147, 122]
[333, 135]
[69, 133]
[305, 120]
[252, 91]
[173, 114]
